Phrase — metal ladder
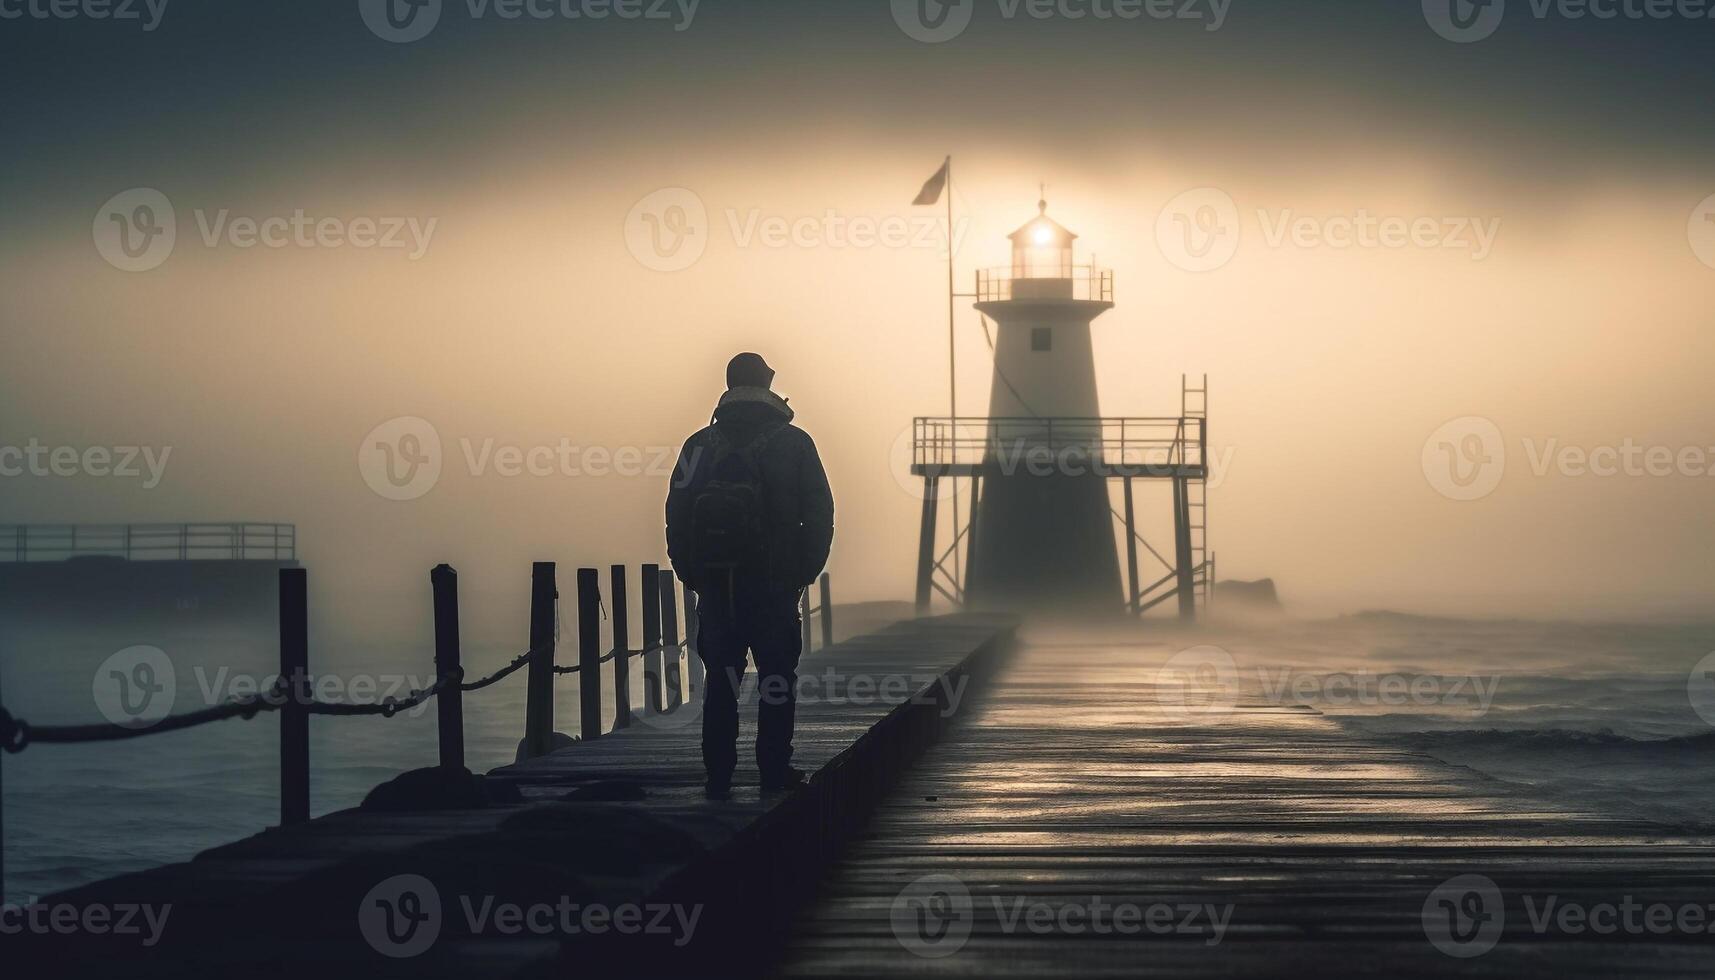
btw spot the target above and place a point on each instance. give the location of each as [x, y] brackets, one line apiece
[1194, 404]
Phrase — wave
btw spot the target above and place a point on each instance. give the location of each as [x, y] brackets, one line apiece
[1559, 740]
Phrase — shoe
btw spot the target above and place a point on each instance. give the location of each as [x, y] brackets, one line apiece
[718, 789]
[792, 778]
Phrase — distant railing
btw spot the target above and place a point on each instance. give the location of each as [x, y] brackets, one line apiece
[1080, 282]
[1021, 442]
[149, 542]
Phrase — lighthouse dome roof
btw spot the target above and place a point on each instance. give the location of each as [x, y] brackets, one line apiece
[1042, 231]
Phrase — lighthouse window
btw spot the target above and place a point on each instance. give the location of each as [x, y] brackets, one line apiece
[1041, 338]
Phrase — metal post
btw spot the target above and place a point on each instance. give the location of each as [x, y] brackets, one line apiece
[827, 611]
[1182, 549]
[449, 704]
[539, 687]
[621, 652]
[1130, 551]
[589, 654]
[971, 537]
[651, 600]
[295, 713]
[670, 639]
[926, 543]
[693, 660]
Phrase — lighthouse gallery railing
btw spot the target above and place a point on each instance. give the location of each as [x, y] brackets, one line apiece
[1060, 443]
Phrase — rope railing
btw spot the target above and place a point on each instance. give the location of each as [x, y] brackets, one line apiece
[662, 650]
[16, 734]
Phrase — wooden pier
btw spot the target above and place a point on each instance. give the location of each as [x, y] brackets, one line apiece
[618, 822]
[1081, 775]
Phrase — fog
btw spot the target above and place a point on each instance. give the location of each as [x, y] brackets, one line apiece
[529, 320]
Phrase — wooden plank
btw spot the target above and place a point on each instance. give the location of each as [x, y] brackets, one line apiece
[1081, 774]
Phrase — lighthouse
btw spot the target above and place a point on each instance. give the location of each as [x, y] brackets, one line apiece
[1044, 531]
[1040, 465]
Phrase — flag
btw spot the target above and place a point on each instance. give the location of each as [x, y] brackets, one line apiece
[932, 187]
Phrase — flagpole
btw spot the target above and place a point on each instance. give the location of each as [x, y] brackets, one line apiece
[953, 379]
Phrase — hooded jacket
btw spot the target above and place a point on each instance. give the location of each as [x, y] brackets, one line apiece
[797, 503]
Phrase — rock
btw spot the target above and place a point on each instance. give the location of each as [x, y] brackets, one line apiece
[559, 741]
[1256, 596]
[435, 788]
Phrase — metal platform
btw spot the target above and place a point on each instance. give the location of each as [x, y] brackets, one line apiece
[1116, 447]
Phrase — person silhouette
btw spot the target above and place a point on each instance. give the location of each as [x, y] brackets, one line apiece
[750, 522]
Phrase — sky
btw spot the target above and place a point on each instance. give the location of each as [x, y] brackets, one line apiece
[1432, 253]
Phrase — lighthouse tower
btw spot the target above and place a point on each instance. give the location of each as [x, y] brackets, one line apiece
[1044, 531]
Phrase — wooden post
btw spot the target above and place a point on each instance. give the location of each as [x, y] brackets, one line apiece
[295, 713]
[2, 806]
[1130, 552]
[693, 660]
[651, 600]
[1182, 549]
[621, 652]
[804, 618]
[670, 639]
[926, 543]
[827, 611]
[589, 654]
[539, 687]
[449, 704]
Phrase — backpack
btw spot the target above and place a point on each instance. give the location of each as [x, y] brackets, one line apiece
[729, 529]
